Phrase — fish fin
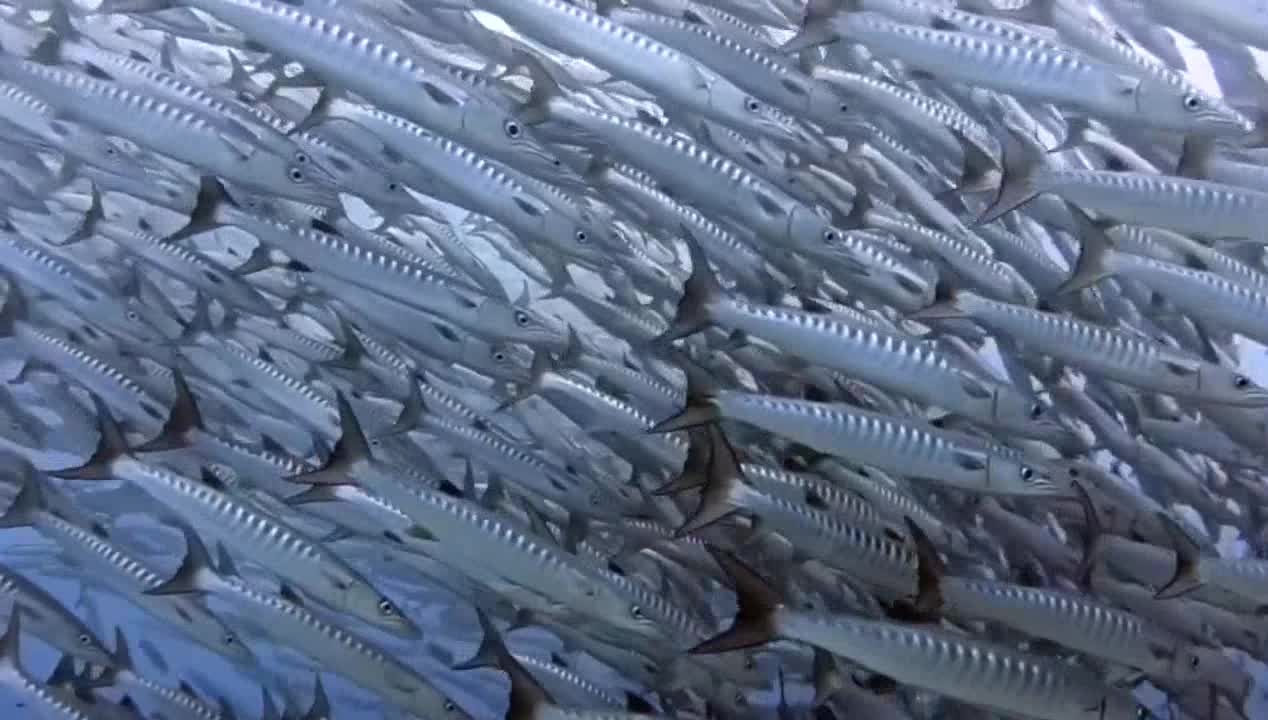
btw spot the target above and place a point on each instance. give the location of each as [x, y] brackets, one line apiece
[945, 306]
[212, 209]
[536, 109]
[92, 216]
[695, 467]
[259, 259]
[350, 449]
[353, 350]
[225, 566]
[11, 645]
[700, 408]
[491, 645]
[637, 704]
[413, 409]
[28, 502]
[813, 33]
[15, 305]
[317, 493]
[181, 421]
[1187, 576]
[290, 595]
[929, 571]
[1195, 156]
[857, 217]
[826, 676]
[320, 707]
[1092, 532]
[195, 574]
[700, 292]
[754, 622]
[574, 350]
[64, 674]
[1075, 127]
[543, 364]
[122, 654]
[979, 171]
[110, 447]
[1095, 251]
[722, 480]
[1016, 183]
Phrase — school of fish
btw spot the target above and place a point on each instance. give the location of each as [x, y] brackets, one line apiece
[616, 359]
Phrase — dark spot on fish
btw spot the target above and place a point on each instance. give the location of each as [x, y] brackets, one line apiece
[213, 276]
[143, 224]
[558, 485]
[339, 163]
[450, 489]
[527, 207]
[1114, 163]
[438, 95]
[323, 226]
[816, 501]
[616, 568]
[446, 332]
[97, 72]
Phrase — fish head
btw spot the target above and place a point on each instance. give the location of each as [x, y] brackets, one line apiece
[289, 177]
[360, 599]
[512, 141]
[581, 241]
[507, 361]
[104, 152]
[811, 231]
[379, 187]
[1029, 417]
[741, 111]
[520, 323]
[1194, 663]
[1020, 477]
[826, 106]
[86, 647]
[1185, 108]
[1222, 385]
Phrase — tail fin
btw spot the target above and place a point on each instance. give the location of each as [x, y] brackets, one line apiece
[195, 574]
[412, 410]
[929, 571]
[1187, 576]
[28, 502]
[816, 27]
[1092, 532]
[1096, 250]
[350, 449]
[700, 409]
[110, 447]
[723, 481]
[320, 709]
[754, 622]
[945, 305]
[14, 308]
[699, 292]
[181, 422]
[695, 468]
[11, 646]
[211, 209]
[527, 695]
[1016, 183]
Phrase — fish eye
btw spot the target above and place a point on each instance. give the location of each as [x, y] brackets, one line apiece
[1192, 102]
[749, 663]
[1142, 712]
[829, 235]
[386, 607]
[111, 151]
[752, 105]
[230, 639]
[84, 639]
[1073, 472]
[521, 318]
[1036, 411]
[1194, 662]
[636, 612]
[449, 706]
[1026, 473]
[296, 175]
[582, 237]
[512, 129]
[393, 186]
[499, 356]
[132, 315]
[301, 158]
[1241, 381]
[845, 108]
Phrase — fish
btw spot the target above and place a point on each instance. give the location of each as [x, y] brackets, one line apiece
[681, 358]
